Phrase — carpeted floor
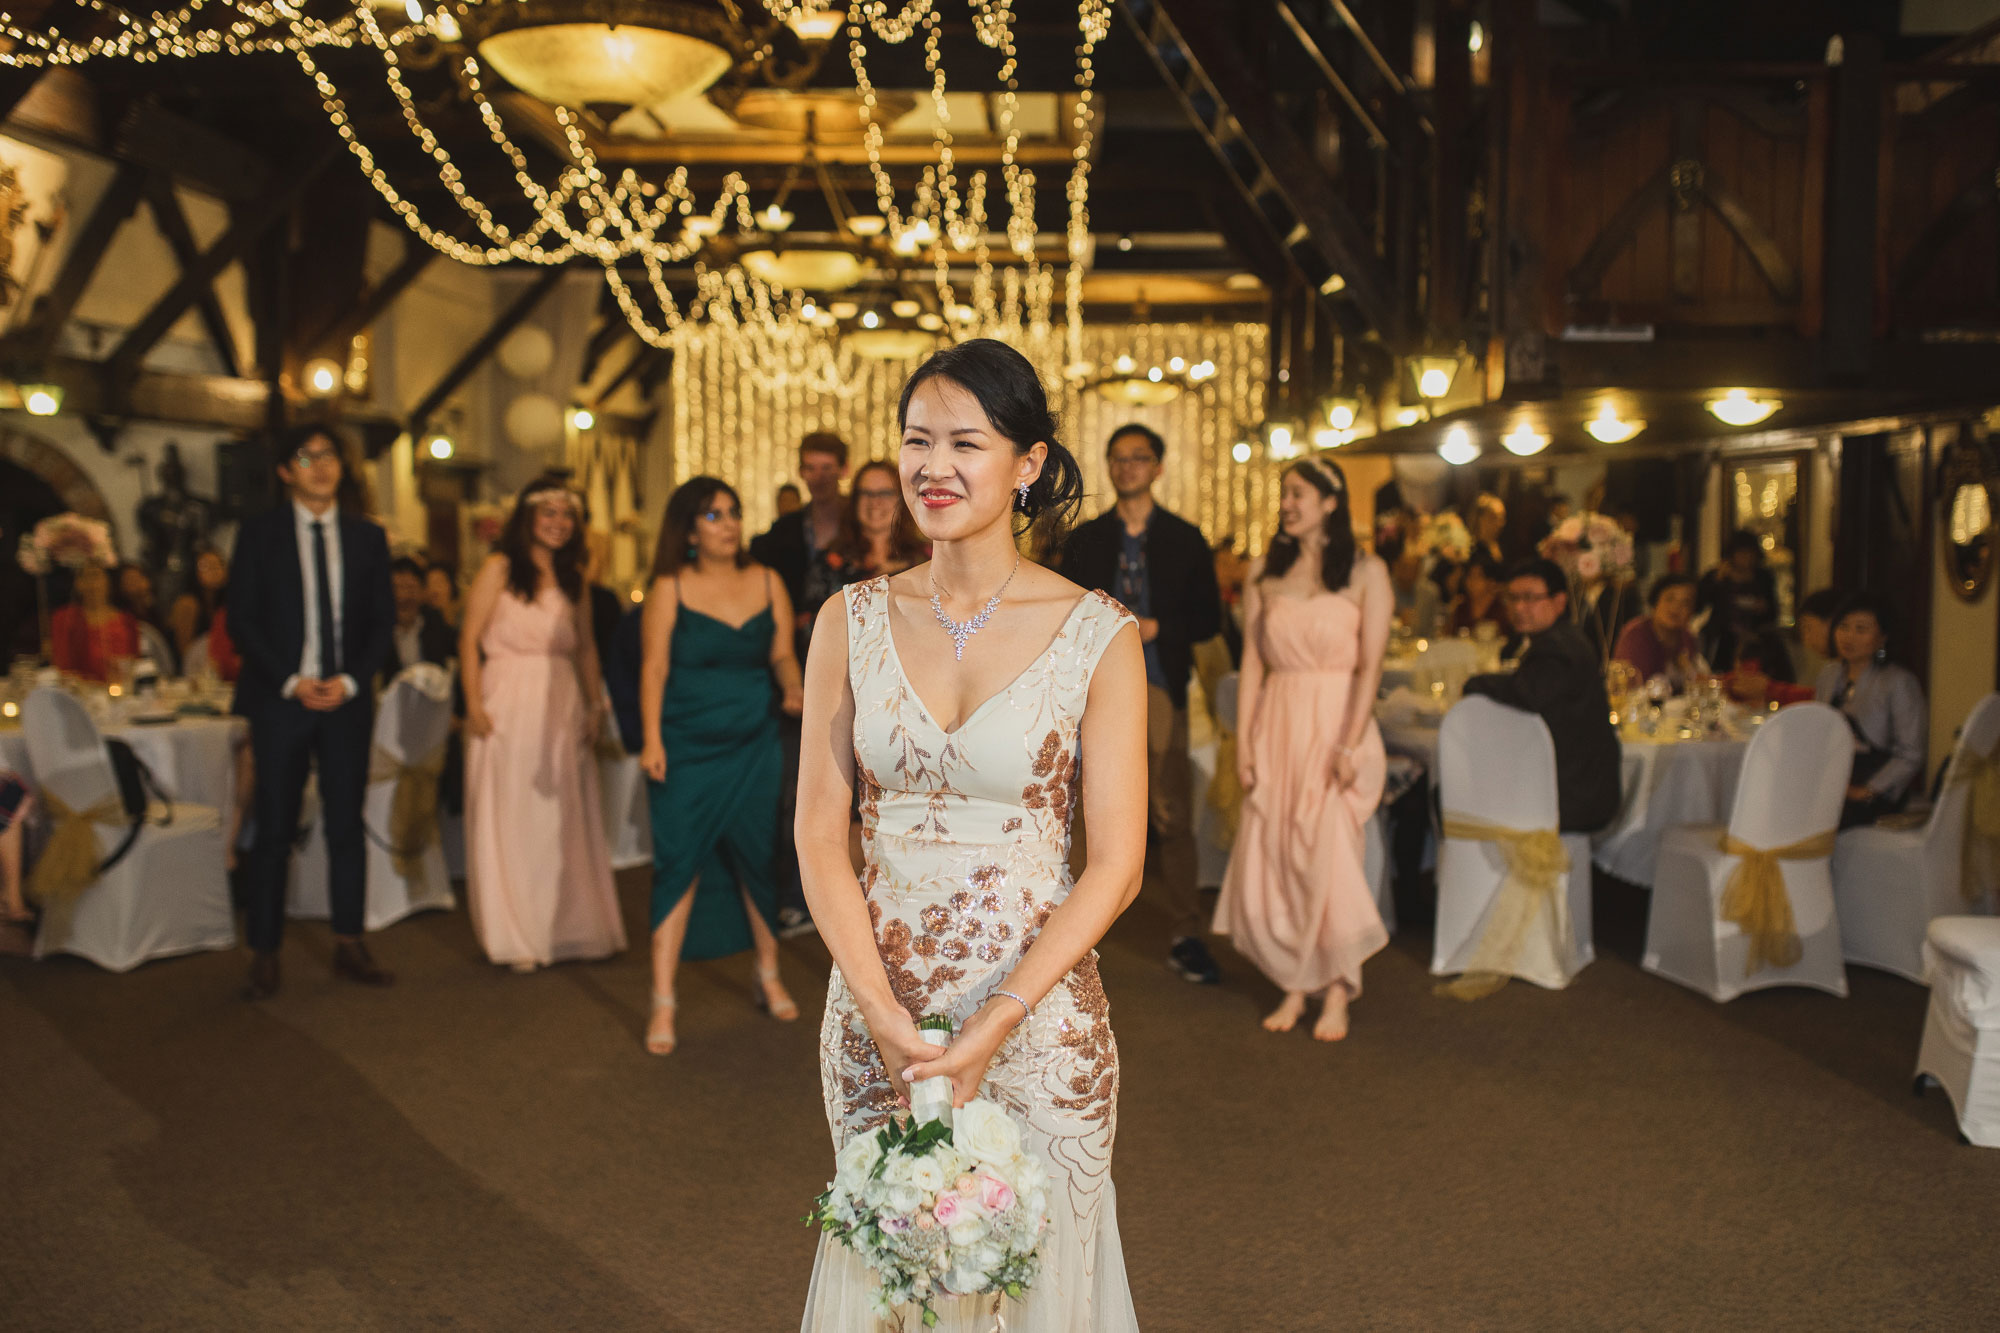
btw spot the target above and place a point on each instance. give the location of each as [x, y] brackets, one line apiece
[477, 1150]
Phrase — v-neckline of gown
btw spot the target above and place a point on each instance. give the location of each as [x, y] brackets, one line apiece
[895, 654]
[763, 610]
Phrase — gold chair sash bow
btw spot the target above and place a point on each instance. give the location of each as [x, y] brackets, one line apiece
[412, 806]
[1756, 902]
[68, 863]
[1536, 862]
[1981, 772]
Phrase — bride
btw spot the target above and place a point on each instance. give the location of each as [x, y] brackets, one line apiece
[959, 699]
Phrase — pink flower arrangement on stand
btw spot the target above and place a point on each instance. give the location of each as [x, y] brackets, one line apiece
[68, 540]
[1590, 548]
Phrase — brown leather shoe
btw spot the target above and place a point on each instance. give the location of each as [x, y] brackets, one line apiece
[263, 981]
[352, 960]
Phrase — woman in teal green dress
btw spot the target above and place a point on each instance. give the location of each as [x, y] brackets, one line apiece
[718, 638]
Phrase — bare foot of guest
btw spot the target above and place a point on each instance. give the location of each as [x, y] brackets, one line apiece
[1286, 1016]
[1332, 1025]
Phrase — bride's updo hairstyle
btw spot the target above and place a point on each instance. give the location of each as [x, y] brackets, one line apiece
[1012, 396]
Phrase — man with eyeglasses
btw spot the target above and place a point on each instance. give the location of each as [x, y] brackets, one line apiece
[1159, 566]
[1558, 679]
[312, 614]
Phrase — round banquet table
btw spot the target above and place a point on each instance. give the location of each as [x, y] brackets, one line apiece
[193, 758]
[1665, 781]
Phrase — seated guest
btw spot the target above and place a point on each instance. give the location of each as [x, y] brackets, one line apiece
[1482, 596]
[90, 637]
[132, 593]
[193, 612]
[1741, 598]
[420, 634]
[1884, 705]
[441, 591]
[223, 659]
[1437, 597]
[1488, 521]
[1812, 647]
[1660, 643]
[1558, 679]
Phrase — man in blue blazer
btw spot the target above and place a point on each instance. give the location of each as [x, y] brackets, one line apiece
[311, 612]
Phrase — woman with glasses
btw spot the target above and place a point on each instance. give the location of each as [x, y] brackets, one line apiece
[538, 871]
[717, 637]
[877, 534]
[1295, 897]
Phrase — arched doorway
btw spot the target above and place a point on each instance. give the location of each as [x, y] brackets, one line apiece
[25, 500]
[36, 480]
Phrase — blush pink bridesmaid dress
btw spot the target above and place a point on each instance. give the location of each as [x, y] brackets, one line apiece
[538, 868]
[1295, 899]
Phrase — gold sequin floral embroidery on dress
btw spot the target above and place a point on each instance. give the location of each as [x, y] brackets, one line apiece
[965, 839]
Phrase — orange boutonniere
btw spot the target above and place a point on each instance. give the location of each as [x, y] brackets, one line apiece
[833, 560]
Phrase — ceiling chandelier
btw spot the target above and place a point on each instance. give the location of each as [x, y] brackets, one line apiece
[582, 53]
[629, 52]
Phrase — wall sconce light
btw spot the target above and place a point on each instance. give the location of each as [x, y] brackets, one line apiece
[1434, 374]
[582, 418]
[42, 400]
[439, 446]
[322, 376]
[1459, 448]
[1607, 427]
[1738, 408]
[1524, 441]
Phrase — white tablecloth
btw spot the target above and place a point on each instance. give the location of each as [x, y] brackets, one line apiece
[193, 758]
[1665, 782]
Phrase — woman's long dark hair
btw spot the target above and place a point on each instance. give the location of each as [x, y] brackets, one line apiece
[1336, 562]
[517, 541]
[906, 543]
[687, 504]
[1014, 401]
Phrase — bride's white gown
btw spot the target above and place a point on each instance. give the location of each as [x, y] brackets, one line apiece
[966, 843]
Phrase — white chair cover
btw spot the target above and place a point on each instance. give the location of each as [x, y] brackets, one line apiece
[1889, 883]
[1793, 783]
[170, 893]
[196, 661]
[412, 724]
[1497, 765]
[628, 817]
[1961, 1044]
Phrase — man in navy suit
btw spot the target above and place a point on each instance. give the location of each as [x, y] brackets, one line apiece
[311, 612]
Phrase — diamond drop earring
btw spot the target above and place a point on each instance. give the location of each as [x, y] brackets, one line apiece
[1021, 496]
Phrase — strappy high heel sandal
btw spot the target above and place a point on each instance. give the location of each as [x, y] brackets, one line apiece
[785, 1012]
[654, 1046]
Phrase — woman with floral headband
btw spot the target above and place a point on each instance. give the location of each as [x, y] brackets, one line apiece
[1295, 897]
[538, 872]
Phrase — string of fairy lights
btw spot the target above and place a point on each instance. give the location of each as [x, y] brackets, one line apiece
[615, 218]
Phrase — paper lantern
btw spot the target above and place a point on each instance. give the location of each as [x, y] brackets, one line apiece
[527, 352]
[534, 421]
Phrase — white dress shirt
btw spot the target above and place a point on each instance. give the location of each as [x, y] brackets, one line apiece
[410, 642]
[302, 524]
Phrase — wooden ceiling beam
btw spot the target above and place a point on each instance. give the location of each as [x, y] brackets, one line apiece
[510, 319]
[375, 302]
[173, 224]
[35, 341]
[234, 244]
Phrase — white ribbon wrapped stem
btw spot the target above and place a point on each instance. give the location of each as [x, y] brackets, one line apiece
[930, 1098]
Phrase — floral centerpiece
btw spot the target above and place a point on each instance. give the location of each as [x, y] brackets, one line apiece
[68, 540]
[940, 1208]
[1445, 535]
[1590, 547]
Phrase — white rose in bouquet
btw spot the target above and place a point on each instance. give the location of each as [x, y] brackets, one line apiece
[905, 1197]
[858, 1158]
[987, 1134]
[927, 1175]
[966, 1229]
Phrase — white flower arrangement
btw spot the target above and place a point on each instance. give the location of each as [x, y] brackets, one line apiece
[940, 1209]
[69, 540]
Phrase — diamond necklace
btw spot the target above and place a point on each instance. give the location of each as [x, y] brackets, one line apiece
[960, 632]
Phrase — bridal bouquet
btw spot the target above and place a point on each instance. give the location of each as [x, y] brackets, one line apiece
[940, 1209]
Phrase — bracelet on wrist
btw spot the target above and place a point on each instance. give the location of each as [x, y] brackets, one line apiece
[1027, 1011]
